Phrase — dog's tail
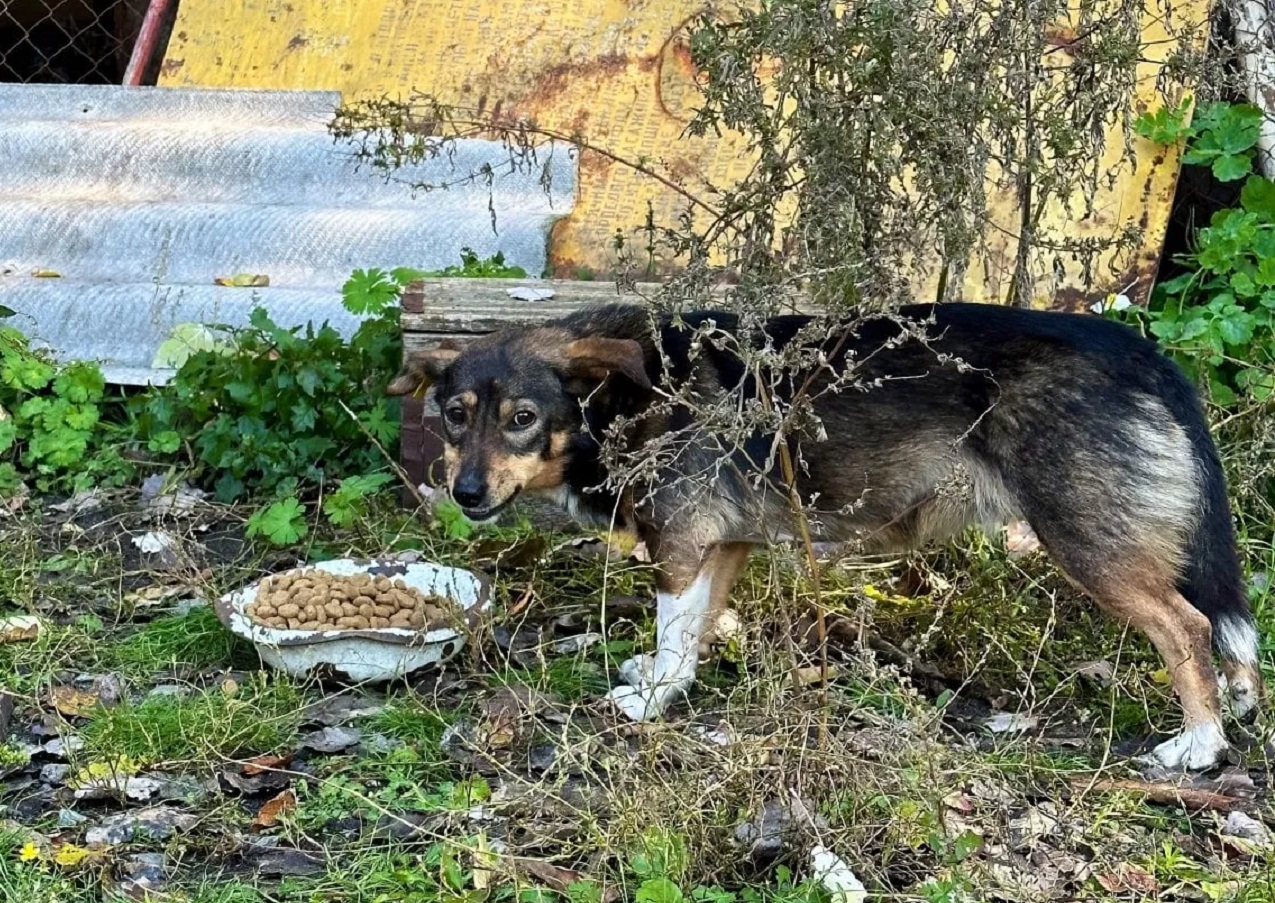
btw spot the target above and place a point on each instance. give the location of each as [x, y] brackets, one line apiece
[1213, 580]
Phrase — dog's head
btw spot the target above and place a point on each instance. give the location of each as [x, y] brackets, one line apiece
[511, 409]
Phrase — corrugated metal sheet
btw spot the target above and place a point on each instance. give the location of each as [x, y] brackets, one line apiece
[619, 72]
[139, 198]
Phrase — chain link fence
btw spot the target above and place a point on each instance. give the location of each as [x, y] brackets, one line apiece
[86, 42]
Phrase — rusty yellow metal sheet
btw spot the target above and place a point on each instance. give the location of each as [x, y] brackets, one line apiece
[619, 72]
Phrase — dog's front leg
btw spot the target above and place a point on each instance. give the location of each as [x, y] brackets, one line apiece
[685, 599]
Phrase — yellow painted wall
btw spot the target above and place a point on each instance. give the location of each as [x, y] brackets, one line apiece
[618, 72]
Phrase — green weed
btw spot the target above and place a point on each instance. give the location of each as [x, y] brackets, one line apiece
[214, 724]
[195, 641]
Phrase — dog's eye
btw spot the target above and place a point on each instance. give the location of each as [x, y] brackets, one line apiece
[524, 419]
[455, 414]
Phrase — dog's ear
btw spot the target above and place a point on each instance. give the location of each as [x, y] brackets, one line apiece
[420, 368]
[593, 359]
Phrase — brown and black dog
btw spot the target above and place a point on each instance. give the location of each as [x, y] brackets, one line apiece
[1075, 424]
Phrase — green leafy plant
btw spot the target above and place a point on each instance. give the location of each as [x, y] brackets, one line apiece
[350, 500]
[282, 522]
[285, 409]
[1216, 317]
[51, 428]
[471, 267]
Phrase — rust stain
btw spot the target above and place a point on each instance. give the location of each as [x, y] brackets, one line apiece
[297, 42]
[550, 83]
[171, 65]
[1066, 39]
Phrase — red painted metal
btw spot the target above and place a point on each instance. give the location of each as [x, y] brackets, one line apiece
[147, 38]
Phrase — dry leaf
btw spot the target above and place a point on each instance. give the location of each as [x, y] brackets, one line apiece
[46, 274]
[20, 627]
[268, 814]
[262, 764]
[814, 674]
[1128, 877]
[73, 702]
[243, 280]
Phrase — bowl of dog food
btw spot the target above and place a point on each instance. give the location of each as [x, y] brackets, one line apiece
[364, 621]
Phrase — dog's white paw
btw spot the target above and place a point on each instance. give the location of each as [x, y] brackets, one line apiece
[637, 704]
[637, 671]
[1195, 749]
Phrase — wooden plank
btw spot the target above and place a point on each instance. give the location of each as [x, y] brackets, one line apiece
[473, 307]
[480, 306]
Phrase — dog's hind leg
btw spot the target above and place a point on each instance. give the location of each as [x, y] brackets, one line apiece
[688, 597]
[1145, 598]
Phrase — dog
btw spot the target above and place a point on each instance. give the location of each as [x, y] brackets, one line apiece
[928, 420]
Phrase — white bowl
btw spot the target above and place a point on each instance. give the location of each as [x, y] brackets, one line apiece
[371, 655]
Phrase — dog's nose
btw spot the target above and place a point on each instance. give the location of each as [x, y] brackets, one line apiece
[469, 490]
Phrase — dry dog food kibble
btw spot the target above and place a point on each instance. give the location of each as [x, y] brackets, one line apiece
[317, 600]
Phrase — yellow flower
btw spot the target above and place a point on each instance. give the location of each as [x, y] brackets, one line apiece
[29, 851]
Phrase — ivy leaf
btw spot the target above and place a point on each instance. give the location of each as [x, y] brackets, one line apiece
[304, 417]
[1232, 167]
[283, 522]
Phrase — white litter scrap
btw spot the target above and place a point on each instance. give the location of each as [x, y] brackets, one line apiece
[153, 543]
[1011, 723]
[837, 878]
[525, 293]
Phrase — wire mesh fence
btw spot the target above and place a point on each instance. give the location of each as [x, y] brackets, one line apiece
[83, 42]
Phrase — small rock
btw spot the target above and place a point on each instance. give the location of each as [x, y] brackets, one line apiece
[286, 861]
[80, 503]
[61, 746]
[55, 773]
[109, 689]
[177, 502]
[1244, 826]
[542, 757]
[579, 643]
[332, 739]
[1099, 671]
[69, 818]
[334, 710]
[145, 874]
[133, 787]
[379, 744]
[176, 691]
[158, 823]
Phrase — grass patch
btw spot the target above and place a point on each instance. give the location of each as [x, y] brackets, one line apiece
[194, 640]
[570, 678]
[217, 723]
[29, 666]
